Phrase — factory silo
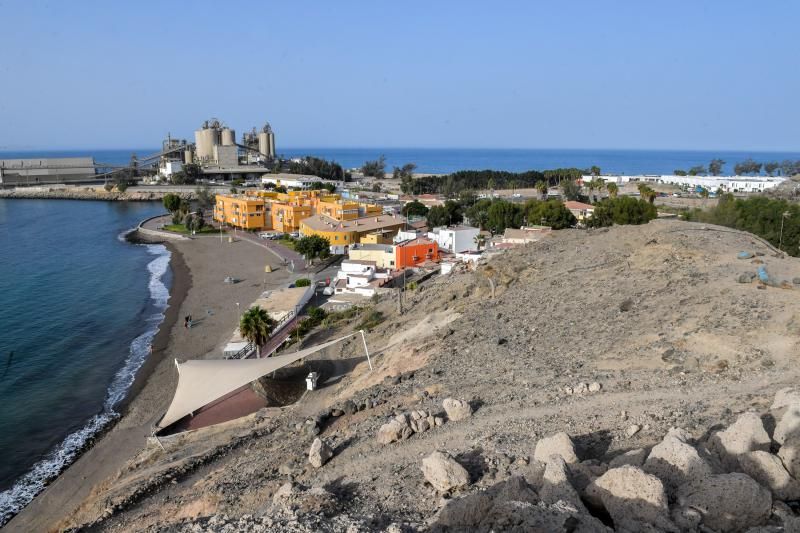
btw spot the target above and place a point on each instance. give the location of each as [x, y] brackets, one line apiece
[188, 156]
[228, 137]
[266, 141]
[206, 138]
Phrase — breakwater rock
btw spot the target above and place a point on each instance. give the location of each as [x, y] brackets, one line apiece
[90, 193]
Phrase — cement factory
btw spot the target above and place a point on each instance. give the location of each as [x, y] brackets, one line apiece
[215, 151]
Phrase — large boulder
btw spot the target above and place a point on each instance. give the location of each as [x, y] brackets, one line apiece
[558, 444]
[745, 435]
[397, 428]
[468, 511]
[726, 502]
[319, 453]
[786, 397]
[634, 499]
[556, 485]
[768, 470]
[790, 455]
[789, 424]
[443, 472]
[675, 462]
[457, 409]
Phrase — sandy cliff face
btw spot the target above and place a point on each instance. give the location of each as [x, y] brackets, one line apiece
[611, 337]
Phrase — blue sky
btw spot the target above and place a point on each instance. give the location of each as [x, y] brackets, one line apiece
[575, 74]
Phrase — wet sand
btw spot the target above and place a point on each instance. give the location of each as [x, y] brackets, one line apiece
[198, 267]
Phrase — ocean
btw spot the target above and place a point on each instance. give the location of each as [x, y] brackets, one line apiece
[444, 160]
[79, 307]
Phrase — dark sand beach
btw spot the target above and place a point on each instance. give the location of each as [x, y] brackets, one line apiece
[199, 267]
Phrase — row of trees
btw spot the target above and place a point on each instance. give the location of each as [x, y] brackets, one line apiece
[180, 209]
[748, 167]
[315, 166]
[777, 221]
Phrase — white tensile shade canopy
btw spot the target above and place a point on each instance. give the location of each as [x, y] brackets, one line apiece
[200, 382]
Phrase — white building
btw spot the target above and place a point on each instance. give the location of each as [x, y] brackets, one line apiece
[358, 277]
[168, 168]
[297, 181]
[710, 183]
[455, 238]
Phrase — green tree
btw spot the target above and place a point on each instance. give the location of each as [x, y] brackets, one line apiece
[193, 172]
[478, 213]
[172, 202]
[596, 184]
[570, 189]
[697, 170]
[256, 326]
[122, 183]
[502, 214]
[445, 215]
[312, 247]
[414, 208]
[715, 167]
[613, 189]
[376, 168]
[542, 188]
[302, 282]
[490, 184]
[679, 172]
[551, 213]
[204, 197]
[594, 171]
[770, 167]
[622, 210]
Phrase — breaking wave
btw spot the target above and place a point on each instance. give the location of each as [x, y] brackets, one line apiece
[13, 500]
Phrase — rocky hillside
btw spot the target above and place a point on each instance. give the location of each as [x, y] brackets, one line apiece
[620, 379]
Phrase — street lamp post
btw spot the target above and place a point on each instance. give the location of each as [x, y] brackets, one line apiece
[239, 311]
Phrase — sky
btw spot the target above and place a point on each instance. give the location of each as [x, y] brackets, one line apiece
[621, 74]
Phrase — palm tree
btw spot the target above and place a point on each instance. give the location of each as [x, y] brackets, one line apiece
[598, 184]
[256, 326]
[480, 240]
[613, 189]
[542, 187]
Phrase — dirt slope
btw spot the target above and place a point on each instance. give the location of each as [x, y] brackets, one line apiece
[654, 314]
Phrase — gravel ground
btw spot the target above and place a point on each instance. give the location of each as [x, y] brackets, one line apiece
[654, 316]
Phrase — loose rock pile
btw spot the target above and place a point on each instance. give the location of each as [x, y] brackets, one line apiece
[731, 481]
[404, 425]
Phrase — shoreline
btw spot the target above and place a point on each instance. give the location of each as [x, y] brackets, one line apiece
[198, 268]
[179, 289]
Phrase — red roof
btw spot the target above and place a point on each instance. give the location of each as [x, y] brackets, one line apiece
[569, 204]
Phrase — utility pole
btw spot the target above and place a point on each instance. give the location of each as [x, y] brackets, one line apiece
[784, 216]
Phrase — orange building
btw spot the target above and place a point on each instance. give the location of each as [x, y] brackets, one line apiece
[242, 212]
[287, 217]
[415, 252]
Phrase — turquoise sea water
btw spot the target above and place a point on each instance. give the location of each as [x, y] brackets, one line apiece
[78, 309]
[441, 160]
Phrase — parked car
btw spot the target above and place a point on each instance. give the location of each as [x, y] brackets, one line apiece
[328, 291]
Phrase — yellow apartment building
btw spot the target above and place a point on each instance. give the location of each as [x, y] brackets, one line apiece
[286, 217]
[343, 233]
[242, 212]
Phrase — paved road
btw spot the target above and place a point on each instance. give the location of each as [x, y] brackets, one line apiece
[283, 253]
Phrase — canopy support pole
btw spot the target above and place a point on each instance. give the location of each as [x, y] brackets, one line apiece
[364, 339]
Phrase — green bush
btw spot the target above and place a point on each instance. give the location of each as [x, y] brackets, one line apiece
[622, 210]
[302, 282]
[371, 320]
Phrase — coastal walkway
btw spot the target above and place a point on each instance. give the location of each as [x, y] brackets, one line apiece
[286, 255]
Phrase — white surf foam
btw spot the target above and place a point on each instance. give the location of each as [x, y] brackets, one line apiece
[13, 500]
